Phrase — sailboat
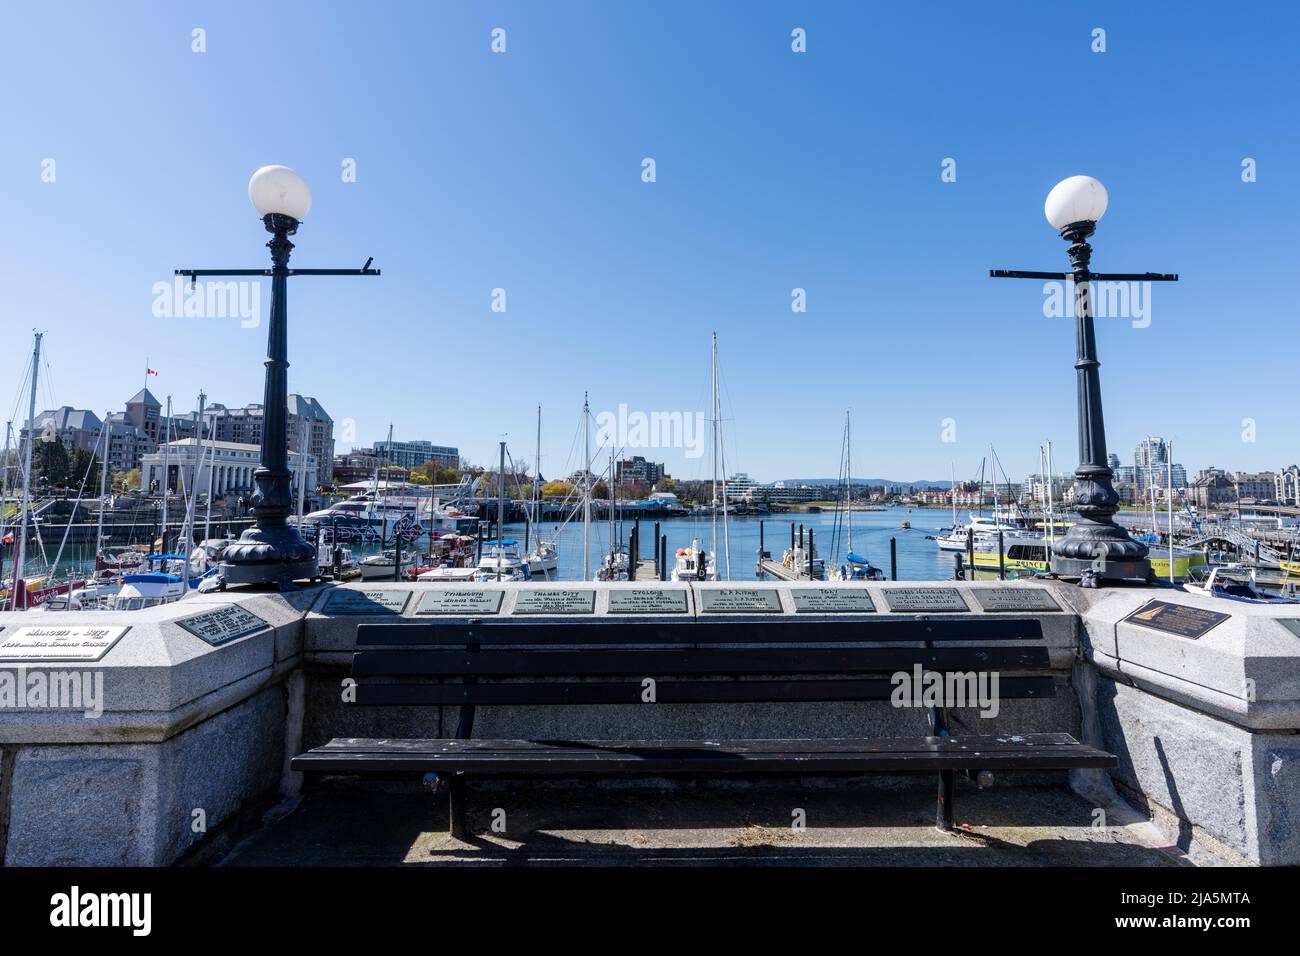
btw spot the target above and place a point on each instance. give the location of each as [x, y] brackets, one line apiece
[616, 565]
[855, 566]
[544, 558]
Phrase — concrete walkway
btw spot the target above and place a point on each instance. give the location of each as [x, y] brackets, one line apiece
[692, 825]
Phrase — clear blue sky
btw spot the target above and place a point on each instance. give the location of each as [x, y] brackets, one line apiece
[775, 170]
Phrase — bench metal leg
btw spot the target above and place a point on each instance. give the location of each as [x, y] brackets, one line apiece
[456, 794]
[944, 819]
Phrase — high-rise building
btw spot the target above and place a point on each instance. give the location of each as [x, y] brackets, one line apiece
[638, 469]
[413, 454]
[308, 424]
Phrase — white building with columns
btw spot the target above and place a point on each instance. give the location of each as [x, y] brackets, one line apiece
[229, 464]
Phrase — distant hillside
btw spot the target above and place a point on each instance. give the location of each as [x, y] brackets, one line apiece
[816, 482]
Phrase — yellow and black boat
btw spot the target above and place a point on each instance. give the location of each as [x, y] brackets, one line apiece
[1026, 555]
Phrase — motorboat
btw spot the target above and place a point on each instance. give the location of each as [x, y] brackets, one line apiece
[1025, 555]
[955, 540]
[501, 561]
[1235, 583]
[383, 566]
[163, 583]
[693, 564]
[857, 568]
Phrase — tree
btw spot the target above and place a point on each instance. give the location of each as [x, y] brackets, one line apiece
[51, 462]
[556, 489]
[129, 481]
[85, 464]
[600, 491]
[666, 484]
[419, 478]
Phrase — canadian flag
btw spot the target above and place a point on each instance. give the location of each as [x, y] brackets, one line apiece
[151, 371]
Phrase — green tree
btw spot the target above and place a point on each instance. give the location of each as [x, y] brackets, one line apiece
[50, 462]
[85, 464]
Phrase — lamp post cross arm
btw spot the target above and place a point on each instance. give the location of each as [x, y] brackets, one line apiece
[1098, 276]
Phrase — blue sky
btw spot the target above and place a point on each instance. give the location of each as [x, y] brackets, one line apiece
[775, 170]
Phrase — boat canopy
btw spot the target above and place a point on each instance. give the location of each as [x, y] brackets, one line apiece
[166, 557]
[154, 577]
[857, 558]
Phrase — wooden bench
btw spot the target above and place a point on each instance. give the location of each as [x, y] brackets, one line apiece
[510, 663]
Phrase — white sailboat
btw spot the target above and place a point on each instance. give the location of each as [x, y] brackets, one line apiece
[544, 558]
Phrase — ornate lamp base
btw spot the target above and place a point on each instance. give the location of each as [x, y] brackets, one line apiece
[1097, 551]
[274, 555]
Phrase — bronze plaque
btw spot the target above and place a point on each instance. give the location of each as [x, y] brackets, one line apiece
[1179, 619]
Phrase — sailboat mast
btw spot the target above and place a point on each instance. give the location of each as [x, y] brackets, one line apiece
[4, 477]
[1169, 491]
[167, 468]
[952, 470]
[212, 467]
[191, 507]
[501, 504]
[21, 546]
[103, 485]
[1051, 507]
[537, 476]
[586, 490]
[713, 358]
[848, 476]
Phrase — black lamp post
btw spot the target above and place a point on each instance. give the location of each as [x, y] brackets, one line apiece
[1095, 547]
[272, 551]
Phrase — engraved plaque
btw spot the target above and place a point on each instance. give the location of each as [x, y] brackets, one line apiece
[463, 602]
[740, 601]
[1179, 619]
[646, 601]
[80, 642]
[1015, 599]
[559, 601]
[374, 601]
[223, 625]
[832, 601]
[925, 599]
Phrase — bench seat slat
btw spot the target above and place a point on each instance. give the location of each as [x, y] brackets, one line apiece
[695, 631]
[926, 754]
[454, 663]
[385, 745]
[666, 691]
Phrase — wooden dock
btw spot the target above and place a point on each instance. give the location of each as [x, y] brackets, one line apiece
[779, 571]
[645, 570]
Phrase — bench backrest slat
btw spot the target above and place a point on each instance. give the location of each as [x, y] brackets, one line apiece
[655, 663]
[667, 691]
[604, 631]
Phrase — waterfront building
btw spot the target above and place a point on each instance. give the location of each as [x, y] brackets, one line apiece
[637, 469]
[231, 470]
[741, 486]
[1286, 486]
[1257, 486]
[361, 465]
[308, 424]
[77, 428]
[1210, 487]
[781, 492]
[144, 412]
[1151, 467]
[412, 454]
